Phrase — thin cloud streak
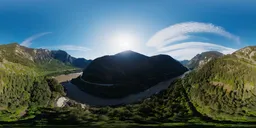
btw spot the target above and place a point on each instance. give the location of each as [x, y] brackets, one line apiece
[27, 42]
[68, 48]
[181, 30]
[73, 48]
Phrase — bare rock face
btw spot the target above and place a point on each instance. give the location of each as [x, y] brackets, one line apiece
[201, 59]
[61, 102]
[247, 54]
[42, 54]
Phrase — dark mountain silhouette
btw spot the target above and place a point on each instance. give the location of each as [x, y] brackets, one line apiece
[130, 70]
[129, 65]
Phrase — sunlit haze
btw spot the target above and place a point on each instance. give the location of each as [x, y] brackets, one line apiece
[122, 41]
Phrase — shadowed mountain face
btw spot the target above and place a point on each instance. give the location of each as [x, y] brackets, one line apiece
[62, 56]
[133, 67]
[184, 62]
[66, 58]
[128, 73]
[201, 59]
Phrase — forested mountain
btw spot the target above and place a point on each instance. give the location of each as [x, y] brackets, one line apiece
[201, 59]
[128, 72]
[224, 89]
[23, 84]
[44, 60]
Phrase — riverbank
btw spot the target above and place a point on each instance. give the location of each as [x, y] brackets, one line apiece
[67, 77]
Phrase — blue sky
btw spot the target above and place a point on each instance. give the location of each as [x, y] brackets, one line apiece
[93, 28]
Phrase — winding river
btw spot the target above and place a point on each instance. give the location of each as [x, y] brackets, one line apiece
[74, 93]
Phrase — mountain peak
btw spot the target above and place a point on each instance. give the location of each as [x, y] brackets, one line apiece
[201, 59]
[11, 44]
[129, 53]
[248, 53]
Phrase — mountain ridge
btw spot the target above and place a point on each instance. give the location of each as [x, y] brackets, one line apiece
[42, 58]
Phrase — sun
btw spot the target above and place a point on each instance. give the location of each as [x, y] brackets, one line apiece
[124, 42]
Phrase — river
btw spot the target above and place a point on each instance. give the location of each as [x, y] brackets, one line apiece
[73, 92]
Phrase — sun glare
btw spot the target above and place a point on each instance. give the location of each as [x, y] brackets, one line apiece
[124, 42]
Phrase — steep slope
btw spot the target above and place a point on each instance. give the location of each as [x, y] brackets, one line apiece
[81, 63]
[126, 73]
[200, 59]
[224, 89]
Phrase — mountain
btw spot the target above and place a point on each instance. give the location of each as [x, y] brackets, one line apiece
[42, 59]
[68, 59]
[23, 81]
[224, 89]
[129, 72]
[201, 59]
[23, 84]
[247, 54]
[184, 62]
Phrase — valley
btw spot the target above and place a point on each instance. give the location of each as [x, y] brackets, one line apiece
[206, 96]
[161, 92]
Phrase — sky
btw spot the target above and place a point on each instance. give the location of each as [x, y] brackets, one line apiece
[93, 28]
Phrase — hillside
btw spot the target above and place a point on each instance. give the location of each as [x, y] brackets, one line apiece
[23, 84]
[224, 89]
[127, 73]
[43, 60]
[201, 59]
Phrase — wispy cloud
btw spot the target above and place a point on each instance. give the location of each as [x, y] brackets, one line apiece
[188, 50]
[173, 40]
[180, 31]
[73, 48]
[27, 42]
[68, 48]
